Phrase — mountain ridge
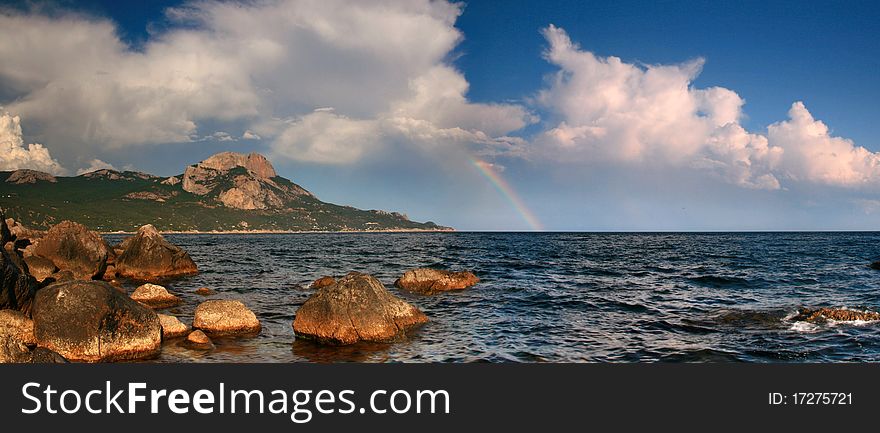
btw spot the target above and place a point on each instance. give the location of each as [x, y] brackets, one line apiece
[227, 192]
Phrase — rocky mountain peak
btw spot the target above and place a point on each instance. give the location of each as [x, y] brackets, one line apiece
[24, 175]
[253, 162]
[258, 186]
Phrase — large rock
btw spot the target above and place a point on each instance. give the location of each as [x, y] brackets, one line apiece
[5, 234]
[356, 308]
[16, 325]
[154, 296]
[429, 281]
[836, 314]
[73, 247]
[241, 182]
[93, 322]
[225, 317]
[17, 286]
[40, 267]
[148, 256]
[172, 327]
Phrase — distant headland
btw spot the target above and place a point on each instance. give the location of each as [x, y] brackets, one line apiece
[226, 193]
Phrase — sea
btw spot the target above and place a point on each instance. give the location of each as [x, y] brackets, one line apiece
[554, 297]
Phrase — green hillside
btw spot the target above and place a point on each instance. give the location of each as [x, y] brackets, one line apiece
[106, 204]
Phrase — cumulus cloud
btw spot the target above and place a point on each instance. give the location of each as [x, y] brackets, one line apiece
[95, 165]
[15, 155]
[617, 112]
[251, 64]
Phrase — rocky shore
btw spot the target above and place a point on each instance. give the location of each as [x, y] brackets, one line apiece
[63, 299]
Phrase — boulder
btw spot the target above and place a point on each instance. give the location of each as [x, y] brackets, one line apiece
[204, 291]
[71, 246]
[110, 273]
[875, 265]
[40, 267]
[323, 282]
[5, 234]
[837, 314]
[154, 296]
[429, 281]
[93, 322]
[198, 340]
[356, 308]
[16, 325]
[148, 256]
[172, 327]
[17, 286]
[14, 351]
[225, 317]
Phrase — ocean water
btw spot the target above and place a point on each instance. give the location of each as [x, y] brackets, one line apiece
[556, 297]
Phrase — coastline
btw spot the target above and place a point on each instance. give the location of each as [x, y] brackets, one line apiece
[278, 232]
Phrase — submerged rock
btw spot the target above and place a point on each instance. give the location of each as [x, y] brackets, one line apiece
[72, 246]
[355, 308]
[40, 267]
[172, 327]
[837, 314]
[198, 340]
[323, 282]
[148, 256]
[204, 291]
[225, 317]
[429, 281]
[154, 296]
[91, 321]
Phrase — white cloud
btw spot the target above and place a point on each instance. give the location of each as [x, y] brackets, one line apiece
[94, 165]
[15, 155]
[248, 64]
[250, 135]
[615, 112]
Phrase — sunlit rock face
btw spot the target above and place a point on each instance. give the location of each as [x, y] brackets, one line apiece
[241, 182]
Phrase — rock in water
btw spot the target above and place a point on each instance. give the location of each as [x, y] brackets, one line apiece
[837, 314]
[199, 341]
[875, 265]
[172, 327]
[154, 296]
[148, 256]
[356, 308]
[17, 287]
[429, 281]
[40, 267]
[204, 291]
[225, 317]
[91, 321]
[323, 282]
[73, 247]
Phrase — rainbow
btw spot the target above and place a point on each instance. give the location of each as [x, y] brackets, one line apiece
[485, 169]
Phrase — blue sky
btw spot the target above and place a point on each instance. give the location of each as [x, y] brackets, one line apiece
[622, 116]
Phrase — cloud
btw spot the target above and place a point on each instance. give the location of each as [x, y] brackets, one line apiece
[251, 65]
[15, 155]
[250, 135]
[615, 112]
[94, 165]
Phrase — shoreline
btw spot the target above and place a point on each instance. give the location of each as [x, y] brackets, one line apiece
[277, 232]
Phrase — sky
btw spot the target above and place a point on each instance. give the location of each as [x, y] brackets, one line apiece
[482, 115]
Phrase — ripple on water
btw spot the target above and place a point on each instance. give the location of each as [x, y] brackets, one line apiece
[555, 297]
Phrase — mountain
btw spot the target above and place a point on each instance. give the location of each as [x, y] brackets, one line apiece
[228, 191]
